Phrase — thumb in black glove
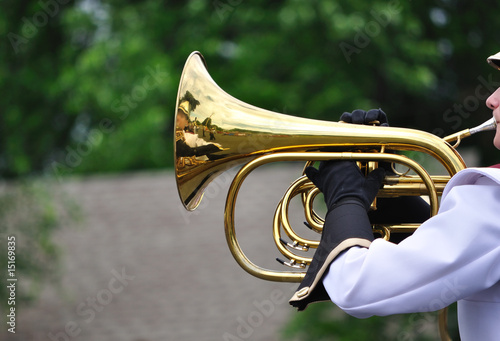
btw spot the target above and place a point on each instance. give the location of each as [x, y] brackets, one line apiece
[343, 179]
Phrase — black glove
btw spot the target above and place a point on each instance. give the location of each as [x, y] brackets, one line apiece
[398, 210]
[343, 179]
[359, 116]
[348, 195]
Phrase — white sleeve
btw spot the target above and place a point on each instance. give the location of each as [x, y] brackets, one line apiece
[451, 256]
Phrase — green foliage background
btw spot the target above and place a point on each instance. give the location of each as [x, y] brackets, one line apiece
[73, 74]
[89, 86]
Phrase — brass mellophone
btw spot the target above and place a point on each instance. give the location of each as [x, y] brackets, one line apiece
[220, 132]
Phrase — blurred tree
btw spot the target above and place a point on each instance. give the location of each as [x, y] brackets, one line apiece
[89, 86]
[30, 212]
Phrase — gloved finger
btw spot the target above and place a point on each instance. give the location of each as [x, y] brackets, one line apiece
[383, 118]
[358, 116]
[312, 173]
[373, 115]
[346, 117]
[387, 166]
[375, 179]
[377, 115]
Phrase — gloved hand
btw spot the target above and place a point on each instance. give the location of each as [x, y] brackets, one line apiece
[359, 116]
[398, 210]
[348, 195]
[338, 180]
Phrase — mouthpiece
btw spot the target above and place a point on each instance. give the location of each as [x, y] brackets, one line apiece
[491, 124]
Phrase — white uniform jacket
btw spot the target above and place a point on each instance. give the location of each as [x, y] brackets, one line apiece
[454, 256]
